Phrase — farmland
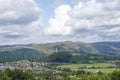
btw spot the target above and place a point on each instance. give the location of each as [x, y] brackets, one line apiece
[93, 67]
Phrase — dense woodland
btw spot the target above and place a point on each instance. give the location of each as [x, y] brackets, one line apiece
[71, 57]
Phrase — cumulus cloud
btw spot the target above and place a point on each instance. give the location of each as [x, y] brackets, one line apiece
[20, 21]
[57, 24]
[89, 18]
[57, 3]
[18, 12]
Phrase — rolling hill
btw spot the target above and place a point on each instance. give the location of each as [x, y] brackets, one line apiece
[20, 54]
[105, 48]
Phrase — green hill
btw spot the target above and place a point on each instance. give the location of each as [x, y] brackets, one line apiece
[105, 48]
[108, 48]
[68, 57]
[20, 54]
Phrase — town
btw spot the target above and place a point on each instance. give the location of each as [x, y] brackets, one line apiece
[24, 65]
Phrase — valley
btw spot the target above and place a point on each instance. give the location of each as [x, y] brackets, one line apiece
[61, 61]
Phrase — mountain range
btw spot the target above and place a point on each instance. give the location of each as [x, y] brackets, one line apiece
[105, 48]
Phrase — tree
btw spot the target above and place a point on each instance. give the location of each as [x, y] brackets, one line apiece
[19, 74]
[3, 76]
[115, 75]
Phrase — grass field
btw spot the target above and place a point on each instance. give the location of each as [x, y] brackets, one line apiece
[105, 70]
[104, 66]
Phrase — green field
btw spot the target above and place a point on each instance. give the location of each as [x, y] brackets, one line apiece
[105, 70]
[104, 67]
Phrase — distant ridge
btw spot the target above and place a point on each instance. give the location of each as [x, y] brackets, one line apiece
[105, 48]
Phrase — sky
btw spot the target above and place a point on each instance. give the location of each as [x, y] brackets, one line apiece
[43, 21]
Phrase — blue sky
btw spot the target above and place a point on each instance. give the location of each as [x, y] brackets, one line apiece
[47, 8]
[41, 21]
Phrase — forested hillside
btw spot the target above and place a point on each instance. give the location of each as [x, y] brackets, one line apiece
[20, 54]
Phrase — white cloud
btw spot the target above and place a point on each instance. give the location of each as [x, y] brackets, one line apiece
[18, 12]
[20, 21]
[57, 24]
[57, 3]
[87, 18]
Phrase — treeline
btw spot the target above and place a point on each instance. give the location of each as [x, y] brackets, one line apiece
[69, 57]
[65, 74]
